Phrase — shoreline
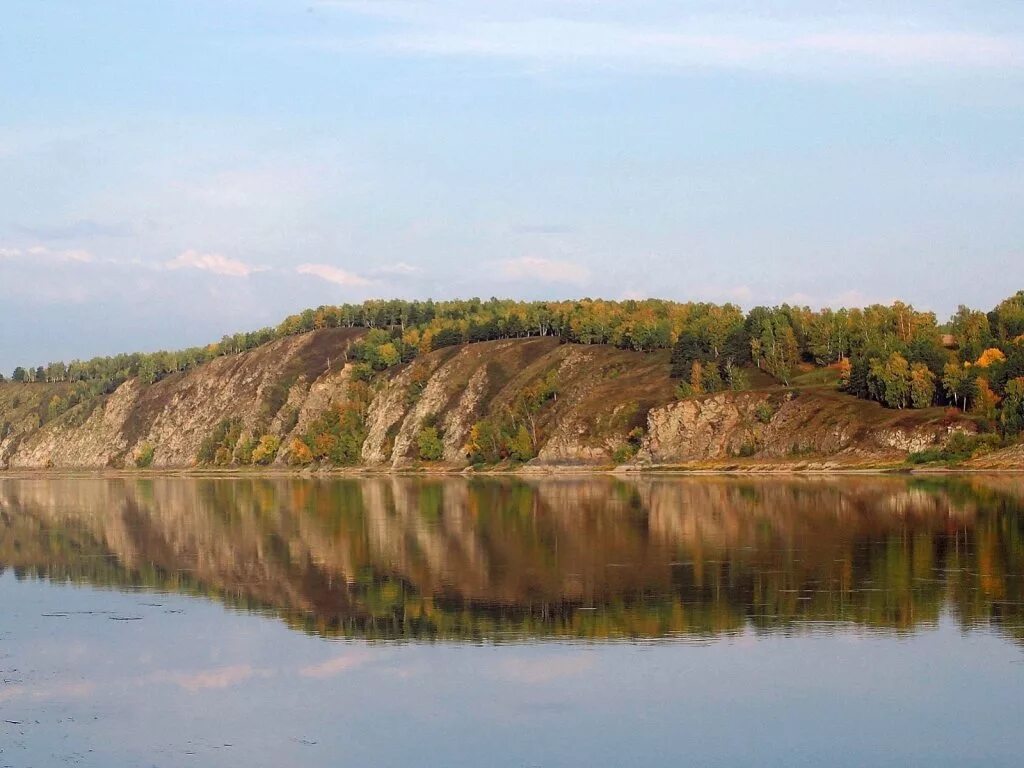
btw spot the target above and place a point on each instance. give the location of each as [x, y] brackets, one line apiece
[552, 471]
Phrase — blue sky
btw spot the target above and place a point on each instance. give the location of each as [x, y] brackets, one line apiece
[171, 171]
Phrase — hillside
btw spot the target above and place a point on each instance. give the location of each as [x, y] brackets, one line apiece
[299, 401]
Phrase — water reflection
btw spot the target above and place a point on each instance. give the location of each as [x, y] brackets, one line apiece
[504, 559]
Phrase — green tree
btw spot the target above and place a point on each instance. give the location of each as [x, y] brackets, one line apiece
[520, 446]
[922, 386]
[971, 331]
[734, 377]
[890, 380]
[218, 448]
[531, 402]
[958, 383]
[56, 407]
[711, 379]
[244, 451]
[147, 370]
[1008, 317]
[780, 350]
[687, 350]
[266, 450]
[144, 456]
[429, 443]
[1011, 418]
[485, 444]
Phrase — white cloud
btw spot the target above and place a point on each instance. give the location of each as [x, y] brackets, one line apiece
[212, 262]
[334, 667]
[908, 48]
[543, 270]
[212, 679]
[398, 268]
[41, 254]
[579, 42]
[57, 691]
[661, 36]
[334, 275]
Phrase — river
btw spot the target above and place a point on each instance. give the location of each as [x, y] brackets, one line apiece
[570, 621]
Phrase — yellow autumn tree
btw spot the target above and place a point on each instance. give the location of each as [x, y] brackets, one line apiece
[389, 355]
[986, 401]
[299, 453]
[990, 356]
[411, 338]
[696, 378]
[843, 367]
[266, 450]
[922, 386]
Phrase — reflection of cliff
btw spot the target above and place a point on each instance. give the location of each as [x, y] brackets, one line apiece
[594, 557]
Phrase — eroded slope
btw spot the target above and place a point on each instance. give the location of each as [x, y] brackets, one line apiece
[598, 406]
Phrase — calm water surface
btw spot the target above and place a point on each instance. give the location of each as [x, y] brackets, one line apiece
[564, 622]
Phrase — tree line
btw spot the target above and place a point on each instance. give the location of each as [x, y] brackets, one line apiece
[895, 354]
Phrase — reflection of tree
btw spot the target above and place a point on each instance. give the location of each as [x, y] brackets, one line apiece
[499, 559]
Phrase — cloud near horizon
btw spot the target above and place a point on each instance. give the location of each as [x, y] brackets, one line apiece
[42, 254]
[216, 263]
[543, 270]
[334, 275]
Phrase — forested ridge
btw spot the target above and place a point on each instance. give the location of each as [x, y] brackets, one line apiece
[896, 355]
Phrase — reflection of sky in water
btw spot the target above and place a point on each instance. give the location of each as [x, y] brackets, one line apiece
[189, 682]
[889, 618]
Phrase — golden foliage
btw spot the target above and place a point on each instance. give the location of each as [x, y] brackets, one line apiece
[986, 401]
[299, 453]
[990, 356]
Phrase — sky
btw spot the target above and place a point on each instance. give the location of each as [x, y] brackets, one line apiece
[174, 170]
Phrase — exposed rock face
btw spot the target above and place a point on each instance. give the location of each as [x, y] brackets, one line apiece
[385, 412]
[788, 426]
[176, 414]
[326, 392]
[459, 421]
[92, 444]
[600, 395]
[710, 428]
[428, 405]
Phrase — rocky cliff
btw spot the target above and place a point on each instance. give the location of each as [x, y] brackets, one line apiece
[811, 428]
[607, 406]
[270, 389]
